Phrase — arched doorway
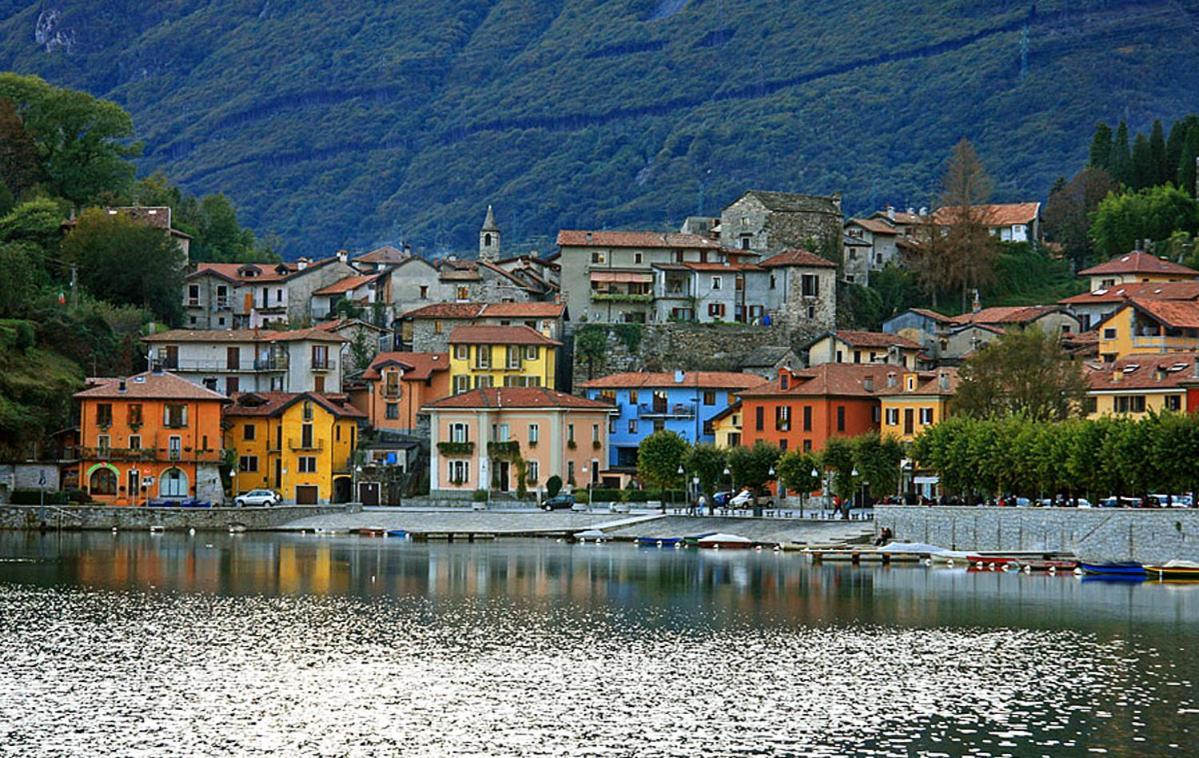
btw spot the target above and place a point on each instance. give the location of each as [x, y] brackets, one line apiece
[102, 481]
[172, 483]
[341, 489]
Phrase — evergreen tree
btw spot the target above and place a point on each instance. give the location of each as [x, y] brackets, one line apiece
[1186, 163]
[1174, 143]
[1120, 159]
[1101, 147]
[19, 164]
[1141, 173]
[1157, 152]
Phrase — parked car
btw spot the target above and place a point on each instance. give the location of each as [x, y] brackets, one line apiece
[721, 499]
[746, 499]
[257, 499]
[559, 502]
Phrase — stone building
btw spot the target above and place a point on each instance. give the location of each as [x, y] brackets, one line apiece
[489, 238]
[770, 222]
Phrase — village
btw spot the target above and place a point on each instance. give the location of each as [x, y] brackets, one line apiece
[498, 375]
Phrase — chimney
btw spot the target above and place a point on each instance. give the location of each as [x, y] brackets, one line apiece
[343, 255]
[1117, 375]
[1159, 374]
[868, 383]
[892, 380]
[679, 375]
[976, 306]
[943, 381]
[121, 385]
[588, 238]
[407, 249]
[891, 212]
[302, 264]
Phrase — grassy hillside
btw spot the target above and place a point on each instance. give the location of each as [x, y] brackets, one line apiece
[340, 124]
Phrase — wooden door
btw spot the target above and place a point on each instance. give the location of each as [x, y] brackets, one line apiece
[306, 494]
[909, 425]
[232, 358]
[368, 493]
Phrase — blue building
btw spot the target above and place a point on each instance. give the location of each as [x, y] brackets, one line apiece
[682, 402]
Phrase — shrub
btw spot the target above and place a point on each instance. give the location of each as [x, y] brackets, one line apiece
[553, 485]
[601, 495]
[34, 497]
[581, 496]
[479, 496]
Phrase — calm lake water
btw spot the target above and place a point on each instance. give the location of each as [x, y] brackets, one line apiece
[139, 644]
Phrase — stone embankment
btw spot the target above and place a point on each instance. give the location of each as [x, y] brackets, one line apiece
[200, 519]
[1095, 534]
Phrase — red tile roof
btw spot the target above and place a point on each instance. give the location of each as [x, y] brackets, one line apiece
[266, 272]
[939, 317]
[994, 214]
[347, 284]
[874, 225]
[666, 379]
[446, 310]
[1180, 314]
[519, 397]
[385, 254]
[839, 379]
[1139, 262]
[673, 240]
[1141, 372]
[147, 386]
[524, 310]
[927, 383]
[875, 339]
[1018, 314]
[797, 257]
[499, 335]
[417, 366]
[1142, 290]
[267, 404]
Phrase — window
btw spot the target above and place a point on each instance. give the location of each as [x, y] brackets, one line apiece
[710, 397]
[175, 448]
[482, 382]
[632, 426]
[1130, 404]
[307, 464]
[611, 425]
[134, 411]
[595, 435]
[530, 352]
[810, 285]
[739, 283]
[807, 446]
[773, 281]
[278, 295]
[784, 381]
[437, 327]
[463, 293]
[807, 418]
[233, 384]
[534, 434]
[783, 445]
[103, 414]
[811, 311]
[717, 282]
[1173, 402]
[532, 472]
[716, 310]
[103, 482]
[103, 444]
[248, 464]
[632, 396]
[459, 433]
[892, 417]
[759, 418]
[307, 410]
[392, 411]
[391, 384]
[193, 294]
[461, 384]
[320, 356]
[483, 356]
[745, 240]
[926, 416]
[424, 292]
[248, 432]
[637, 257]
[512, 356]
[1109, 334]
[570, 472]
[709, 430]
[174, 415]
[782, 418]
[570, 432]
[659, 424]
[840, 418]
[461, 352]
[597, 258]
[135, 442]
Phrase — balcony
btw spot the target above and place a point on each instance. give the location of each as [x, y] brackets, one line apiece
[666, 410]
[147, 455]
[276, 363]
[299, 445]
[1164, 343]
[621, 297]
[327, 365]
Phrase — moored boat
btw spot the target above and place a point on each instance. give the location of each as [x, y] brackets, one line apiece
[397, 533]
[693, 539]
[724, 541]
[1114, 568]
[658, 541]
[1047, 565]
[372, 531]
[1174, 570]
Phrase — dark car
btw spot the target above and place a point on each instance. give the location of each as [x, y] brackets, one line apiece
[558, 503]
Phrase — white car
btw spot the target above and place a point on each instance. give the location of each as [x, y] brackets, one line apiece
[257, 498]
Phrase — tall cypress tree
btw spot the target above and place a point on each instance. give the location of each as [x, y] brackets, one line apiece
[1157, 151]
[1141, 172]
[1101, 147]
[1186, 163]
[1121, 160]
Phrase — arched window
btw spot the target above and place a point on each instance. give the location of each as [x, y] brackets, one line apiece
[103, 482]
[487, 240]
[173, 483]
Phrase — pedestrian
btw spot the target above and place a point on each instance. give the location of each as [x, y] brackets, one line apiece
[702, 502]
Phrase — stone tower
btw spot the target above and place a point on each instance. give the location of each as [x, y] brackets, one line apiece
[489, 238]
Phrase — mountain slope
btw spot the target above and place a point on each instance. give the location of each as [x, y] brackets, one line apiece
[346, 127]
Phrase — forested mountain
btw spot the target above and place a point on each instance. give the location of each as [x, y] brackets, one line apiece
[351, 124]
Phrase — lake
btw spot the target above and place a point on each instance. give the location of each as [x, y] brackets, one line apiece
[140, 644]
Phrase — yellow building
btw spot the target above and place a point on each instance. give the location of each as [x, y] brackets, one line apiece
[501, 356]
[1138, 384]
[911, 401]
[1137, 266]
[726, 426]
[1149, 326]
[300, 445]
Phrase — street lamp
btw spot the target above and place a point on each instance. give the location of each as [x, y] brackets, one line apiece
[852, 475]
[816, 476]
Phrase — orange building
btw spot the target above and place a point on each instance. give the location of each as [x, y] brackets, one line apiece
[396, 385]
[803, 408]
[149, 437]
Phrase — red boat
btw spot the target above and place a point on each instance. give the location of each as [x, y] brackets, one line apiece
[1034, 565]
[988, 560]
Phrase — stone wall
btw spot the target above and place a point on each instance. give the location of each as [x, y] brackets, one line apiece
[201, 519]
[691, 347]
[1095, 534]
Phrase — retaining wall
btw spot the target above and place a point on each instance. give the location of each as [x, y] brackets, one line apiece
[1096, 534]
[201, 519]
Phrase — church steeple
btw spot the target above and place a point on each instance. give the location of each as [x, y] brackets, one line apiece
[489, 238]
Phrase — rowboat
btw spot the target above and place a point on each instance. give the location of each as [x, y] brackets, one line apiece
[372, 531]
[397, 533]
[693, 539]
[991, 560]
[1052, 566]
[1118, 568]
[1175, 570]
[724, 541]
[594, 535]
[659, 541]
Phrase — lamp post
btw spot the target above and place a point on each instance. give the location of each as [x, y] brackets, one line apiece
[852, 476]
[681, 474]
[712, 506]
[778, 491]
[695, 490]
[816, 476]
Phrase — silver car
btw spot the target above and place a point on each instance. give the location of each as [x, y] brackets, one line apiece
[257, 499]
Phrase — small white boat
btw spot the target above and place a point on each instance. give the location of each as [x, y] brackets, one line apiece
[590, 535]
[722, 540]
[935, 553]
[157, 529]
[237, 528]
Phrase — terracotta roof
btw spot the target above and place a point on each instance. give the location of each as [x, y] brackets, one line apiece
[148, 386]
[1142, 290]
[900, 217]
[673, 240]
[1018, 314]
[417, 366]
[939, 317]
[1180, 314]
[524, 310]
[875, 339]
[840, 379]
[347, 284]
[244, 335]
[1139, 262]
[927, 383]
[385, 254]
[994, 214]
[797, 257]
[1142, 371]
[499, 335]
[874, 225]
[266, 404]
[265, 272]
[445, 310]
[666, 380]
[518, 397]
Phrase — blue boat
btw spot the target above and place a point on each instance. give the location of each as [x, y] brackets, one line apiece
[396, 533]
[659, 541]
[1121, 568]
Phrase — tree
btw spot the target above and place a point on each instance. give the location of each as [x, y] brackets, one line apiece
[591, 342]
[1163, 172]
[38, 222]
[1142, 172]
[750, 466]
[706, 462]
[1154, 214]
[19, 165]
[16, 279]
[1101, 147]
[659, 457]
[126, 262]
[1121, 160]
[1067, 214]
[795, 471]
[1023, 372]
[1186, 163]
[838, 458]
[877, 459]
[362, 349]
[970, 248]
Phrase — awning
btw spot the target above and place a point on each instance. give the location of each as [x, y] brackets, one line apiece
[621, 277]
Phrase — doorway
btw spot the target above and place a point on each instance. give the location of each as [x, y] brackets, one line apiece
[307, 494]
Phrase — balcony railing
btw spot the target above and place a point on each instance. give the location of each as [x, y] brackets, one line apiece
[1160, 342]
[621, 297]
[147, 454]
[278, 363]
[313, 445]
[326, 365]
[666, 410]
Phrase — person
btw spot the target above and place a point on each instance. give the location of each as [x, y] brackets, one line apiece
[702, 502]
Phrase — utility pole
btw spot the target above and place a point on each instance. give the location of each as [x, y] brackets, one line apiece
[74, 287]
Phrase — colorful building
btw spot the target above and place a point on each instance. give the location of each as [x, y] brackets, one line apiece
[1149, 326]
[726, 426]
[501, 356]
[1137, 266]
[153, 436]
[1138, 384]
[396, 385]
[647, 402]
[847, 346]
[804, 408]
[299, 444]
[490, 437]
[912, 401]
